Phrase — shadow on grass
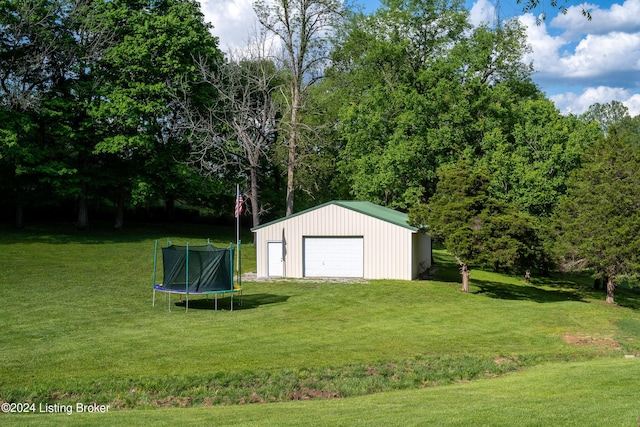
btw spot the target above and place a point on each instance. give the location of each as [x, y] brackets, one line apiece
[444, 272]
[627, 299]
[104, 233]
[577, 286]
[246, 302]
[525, 293]
[625, 295]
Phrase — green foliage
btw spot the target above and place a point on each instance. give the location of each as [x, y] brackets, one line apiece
[531, 163]
[141, 132]
[607, 116]
[32, 49]
[410, 89]
[154, 53]
[599, 219]
[38, 53]
[395, 81]
[104, 78]
[414, 98]
[476, 227]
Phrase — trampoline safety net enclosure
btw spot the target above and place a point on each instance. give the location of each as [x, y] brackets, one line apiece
[195, 270]
[208, 268]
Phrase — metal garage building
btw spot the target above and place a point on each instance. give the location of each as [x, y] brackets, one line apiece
[342, 239]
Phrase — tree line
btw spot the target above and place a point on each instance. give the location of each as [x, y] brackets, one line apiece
[127, 104]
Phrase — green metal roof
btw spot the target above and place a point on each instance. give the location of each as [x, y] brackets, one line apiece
[366, 208]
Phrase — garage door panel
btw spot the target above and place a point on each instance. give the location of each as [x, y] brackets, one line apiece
[333, 257]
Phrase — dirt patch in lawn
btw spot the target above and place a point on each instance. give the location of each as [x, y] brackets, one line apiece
[172, 402]
[305, 393]
[591, 340]
[503, 360]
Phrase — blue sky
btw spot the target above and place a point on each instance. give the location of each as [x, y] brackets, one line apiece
[577, 62]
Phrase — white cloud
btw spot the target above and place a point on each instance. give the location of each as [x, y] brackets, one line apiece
[545, 48]
[597, 56]
[570, 102]
[233, 21]
[633, 104]
[482, 12]
[588, 61]
[623, 18]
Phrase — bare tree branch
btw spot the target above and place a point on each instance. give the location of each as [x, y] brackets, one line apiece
[238, 130]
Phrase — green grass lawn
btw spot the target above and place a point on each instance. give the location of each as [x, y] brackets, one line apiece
[595, 393]
[78, 326]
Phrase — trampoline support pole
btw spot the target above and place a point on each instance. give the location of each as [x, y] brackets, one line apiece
[186, 309]
[155, 265]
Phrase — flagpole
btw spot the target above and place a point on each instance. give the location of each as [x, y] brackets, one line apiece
[237, 214]
[238, 211]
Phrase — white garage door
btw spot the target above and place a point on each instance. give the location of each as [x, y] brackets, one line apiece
[333, 257]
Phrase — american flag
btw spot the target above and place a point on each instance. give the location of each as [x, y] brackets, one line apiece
[239, 203]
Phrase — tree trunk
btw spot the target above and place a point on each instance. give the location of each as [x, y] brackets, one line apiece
[19, 219]
[293, 149]
[290, 185]
[466, 272]
[83, 212]
[611, 286]
[254, 197]
[170, 208]
[119, 213]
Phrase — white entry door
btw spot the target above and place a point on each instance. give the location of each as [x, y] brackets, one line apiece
[274, 259]
[333, 257]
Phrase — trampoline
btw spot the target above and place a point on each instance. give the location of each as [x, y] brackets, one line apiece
[195, 270]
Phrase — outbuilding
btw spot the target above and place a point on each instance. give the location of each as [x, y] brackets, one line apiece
[342, 239]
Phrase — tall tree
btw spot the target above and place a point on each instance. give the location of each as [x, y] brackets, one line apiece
[415, 79]
[154, 57]
[599, 219]
[475, 227]
[237, 132]
[30, 48]
[303, 27]
[394, 76]
[318, 176]
[72, 95]
[27, 38]
[42, 45]
[532, 153]
[607, 116]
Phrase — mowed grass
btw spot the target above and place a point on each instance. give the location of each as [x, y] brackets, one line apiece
[78, 326]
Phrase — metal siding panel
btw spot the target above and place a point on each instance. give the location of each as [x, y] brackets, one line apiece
[421, 253]
[416, 255]
[257, 237]
[379, 250]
